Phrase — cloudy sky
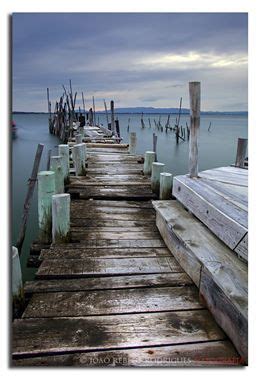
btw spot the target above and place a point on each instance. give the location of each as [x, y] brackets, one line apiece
[137, 59]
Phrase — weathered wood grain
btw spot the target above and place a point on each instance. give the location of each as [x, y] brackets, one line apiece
[33, 337]
[66, 253]
[121, 301]
[112, 235]
[109, 283]
[225, 219]
[206, 354]
[88, 267]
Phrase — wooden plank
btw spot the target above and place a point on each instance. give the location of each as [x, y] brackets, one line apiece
[228, 273]
[225, 177]
[65, 253]
[111, 147]
[121, 301]
[113, 203]
[221, 216]
[147, 228]
[109, 244]
[83, 208]
[110, 235]
[109, 283]
[91, 223]
[88, 267]
[115, 157]
[108, 332]
[207, 354]
[227, 314]
[114, 192]
[119, 170]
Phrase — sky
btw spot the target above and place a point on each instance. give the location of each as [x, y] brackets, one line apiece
[135, 59]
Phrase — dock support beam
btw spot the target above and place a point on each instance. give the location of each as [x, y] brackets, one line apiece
[148, 160]
[79, 157]
[157, 168]
[112, 118]
[241, 152]
[61, 218]
[46, 189]
[56, 167]
[63, 151]
[165, 186]
[194, 95]
[132, 143]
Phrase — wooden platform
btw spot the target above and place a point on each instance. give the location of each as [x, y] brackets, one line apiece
[219, 198]
[218, 273]
[115, 295]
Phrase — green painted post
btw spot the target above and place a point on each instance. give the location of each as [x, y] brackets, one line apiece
[148, 160]
[157, 168]
[63, 151]
[46, 189]
[165, 186]
[56, 167]
[17, 282]
[61, 218]
[79, 158]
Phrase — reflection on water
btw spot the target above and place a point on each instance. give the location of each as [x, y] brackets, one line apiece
[216, 148]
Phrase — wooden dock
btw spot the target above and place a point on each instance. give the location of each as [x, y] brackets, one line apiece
[115, 295]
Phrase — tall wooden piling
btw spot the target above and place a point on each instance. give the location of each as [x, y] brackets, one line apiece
[154, 145]
[79, 157]
[56, 165]
[61, 218]
[112, 117]
[148, 160]
[194, 94]
[132, 143]
[46, 189]
[165, 186]
[17, 282]
[63, 151]
[157, 168]
[241, 152]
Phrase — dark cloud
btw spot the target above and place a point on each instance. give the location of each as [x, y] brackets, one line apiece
[111, 54]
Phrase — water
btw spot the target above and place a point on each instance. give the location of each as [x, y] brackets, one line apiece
[216, 148]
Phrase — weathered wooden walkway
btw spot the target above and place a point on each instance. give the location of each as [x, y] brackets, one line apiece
[115, 295]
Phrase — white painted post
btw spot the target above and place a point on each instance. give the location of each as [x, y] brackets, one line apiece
[56, 167]
[157, 168]
[132, 143]
[79, 157]
[165, 185]
[194, 94]
[46, 188]
[63, 151]
[241, 152]
[61, 218]
[78, 138]
[148, 160]
[17, 282]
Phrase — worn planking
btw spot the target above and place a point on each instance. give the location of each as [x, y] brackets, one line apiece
[176, 279]
[87, 267]
[121, 301]
[108, 332]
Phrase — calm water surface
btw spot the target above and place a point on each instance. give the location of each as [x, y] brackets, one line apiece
[216, 148]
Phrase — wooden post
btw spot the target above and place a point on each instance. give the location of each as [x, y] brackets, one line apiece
[241, 152]
[78, 138]
[17, 282]
[56, 167]
[46, 188]
[29, 195]
[48, 159]
[79, 157]
[94, 113]
[154, 145]
[61, 218]
[63, 151]
[148, 160]
[157, 168]
[112, 117]
[194, 94]
[165, 186]
[106, 112]
[132, 143]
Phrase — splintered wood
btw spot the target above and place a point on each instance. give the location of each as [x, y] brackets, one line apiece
[115, 295]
